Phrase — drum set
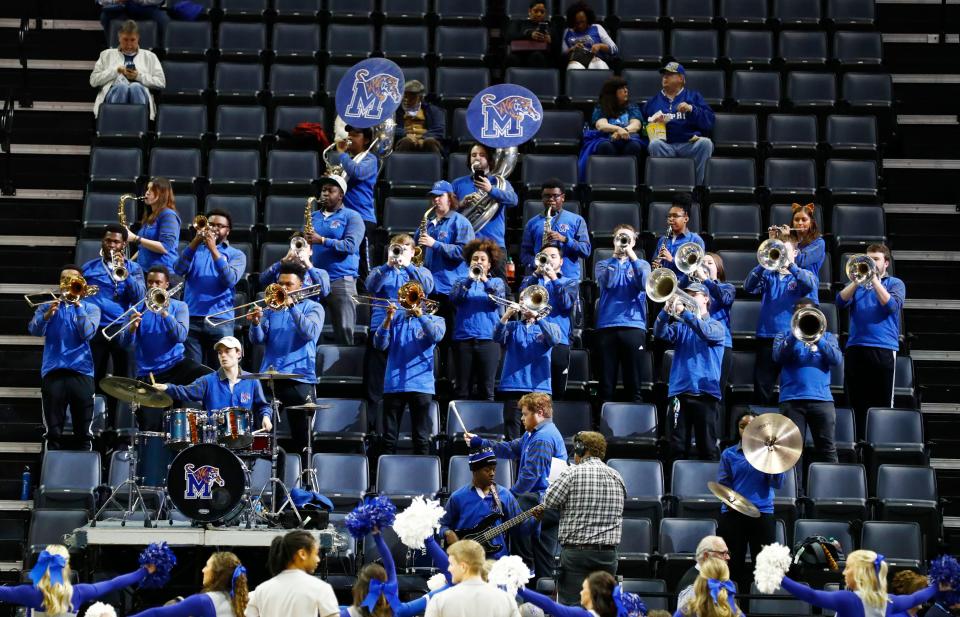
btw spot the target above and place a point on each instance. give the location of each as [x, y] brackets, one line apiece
[202, 461]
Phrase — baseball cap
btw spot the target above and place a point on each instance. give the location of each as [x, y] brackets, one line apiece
[696, 288]
[440, 187]
[413, 86]
[673, 67]
[338, 180]
[230, 342]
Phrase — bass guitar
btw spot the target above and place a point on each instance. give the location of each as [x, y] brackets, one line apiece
[487, 531]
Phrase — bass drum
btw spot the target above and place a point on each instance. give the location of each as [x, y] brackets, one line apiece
[206, 482]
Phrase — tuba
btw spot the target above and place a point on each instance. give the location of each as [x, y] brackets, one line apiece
[772, 255]
[689, 259]
[662, 286]
[860, 269]
[479, 207]
[808, 325]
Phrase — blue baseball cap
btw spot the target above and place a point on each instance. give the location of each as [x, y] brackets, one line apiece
[673, 67]
[440, 187]
[697, 288]
[481, 458]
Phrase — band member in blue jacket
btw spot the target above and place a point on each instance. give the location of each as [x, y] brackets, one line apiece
[66, 373]
[697, 340]
[159, 236]
[722, 296]
[361, 168]
[568, 232]
[811, 249]
[874, 336]
[678, 234]
[480, 179]
[621, 317]
[409, 340]
[290, 336]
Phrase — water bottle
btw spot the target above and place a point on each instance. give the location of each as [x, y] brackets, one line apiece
[25, 484]
[511, 271]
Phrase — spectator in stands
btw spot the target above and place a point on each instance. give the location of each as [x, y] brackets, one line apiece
[480, 179]
[385, 282]
[680, 121]
[475, 353]
[616, 125]
[111, 10]
[421, 126]
[531, 40]
[678, 234]
[339, 232]
[621, 331]
[712, 594]
[722, 296]
[126, 73]
[568, 232]
[159, 234]
[300, 253]
[361, 170]
[779, 291]
[211, 268]
[811, 249]
[871, 358]
[710, 547]
[66, 373]
[586, 45]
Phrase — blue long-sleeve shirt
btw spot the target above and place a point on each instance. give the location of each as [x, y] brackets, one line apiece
[550, 607]
[361, 178]
[466, 508]
[873, 324]
[623, 299]
[576, 247]
[847, 603]
[159, 340]
[67, 336]
[673, 242]
[215, 393]
[385, 282]
[778, 295]
[342, 232]
[722, 296]
[805, 374]
[445, 258]
[165, 230]
[210, 282]
[409, 342]
[197, 605]
[736, 472]
[564, 294]
[313, 276]
[534, 451]
[31, 597]
[113, 298]
[698, 345]
[477, 315]
[506, 198]
[526, 356]
[810, 256]
[290, 337]
[682, 126]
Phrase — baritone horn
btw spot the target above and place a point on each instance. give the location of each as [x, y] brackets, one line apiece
[662, 286]
[689, 259]
[860, 269]
[808, 325]
[772, 255]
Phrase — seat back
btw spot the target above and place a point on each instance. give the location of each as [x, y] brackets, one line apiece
[628, 420]
[637, 536]
[790, 176]
[241, 121]
[69, 470]
[827, 481]
[791, 131]
[681, 535]
[887, 426]
[838, 530]
[756, 88]
[907, 482]
[296, 41]
[408, 474]
[689, 478]
[803, 47]
[344, 416]
[669, 174]
[641, 478]
[50, 527]
[459, 474]
[342, 474]
[571, 417]
[895, 540]
[537, 168]
[584, 86]
[749, 47]
[241, 166]
[693, 47]
[735, 131]
[122, 120]
[480, 417]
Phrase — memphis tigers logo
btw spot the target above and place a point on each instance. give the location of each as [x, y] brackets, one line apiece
[369, 95]
[200, 481]
[504, 118]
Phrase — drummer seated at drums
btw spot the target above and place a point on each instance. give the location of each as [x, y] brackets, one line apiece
[225, 388]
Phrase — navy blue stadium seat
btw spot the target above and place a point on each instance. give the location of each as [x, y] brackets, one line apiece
[811, 90]
[792, 134]
[397, 11]
[851, 179]
[100, 210]
[688, 489]
[635, 12]
[857, 48]
[185, 80]
[867, 90]
[803, 48]
[738, 13]
[343, 478]
[242, 40]
[292, 171]
[711, 84]
[412, 171]
[49, 526]
[789, 13]
[282, 215]
[640, 47]
[350, 10]
[642, 83]
[629, 426]
[402, 214]
[121, 124]
[543, 82]
[737, 265]
[779, 602]
[348, 42]
[181, 124]
[694, 47]
[583, 87]
[559, 131]
[294, 83]
[893, 436]
[233, 80]
[405, 476]
[296, 42]
[606, 215]
[755, 89]
[460, 11]
[614, 177]
[728, 178]
[233, 170]
[681, 12]
[851, 13]
[461, 45]
[909, 493]
[179, 165]
[68, 479]
[669, 175]
[748, 48]
[405, 43]
[116, 168]
[340, 365]
[484, 418]
[735, 225]
[187, 39]
[735, 134]
[852, 135]
[635, 549]
[571, 417]
[538, 168]
[458, 84]
[242, 209]
[644, 482]
[838, 530]
[306, 10]
[286, 118]
[243, 8]
[793, 178]
[857, 227]
[900, 542]
[837, 490]
[240, 125]
[743, 314]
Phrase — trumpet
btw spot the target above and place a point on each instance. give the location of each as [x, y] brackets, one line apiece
[860, 269]
[118, 266]
[298, 243]
[542, 261]
[534, 299]
[274, 297]
[72, 290]
[155, 301]
[808, 325]
[201, 225]
[689, 259]
[418, 253]
[395, 252]
[772, 255]
[622, 241]
[662, 286]
[476, 272]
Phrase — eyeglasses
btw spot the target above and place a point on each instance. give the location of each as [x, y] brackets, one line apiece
[720, 553]
[674, 216]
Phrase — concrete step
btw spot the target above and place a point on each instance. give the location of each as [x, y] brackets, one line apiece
[940, 408]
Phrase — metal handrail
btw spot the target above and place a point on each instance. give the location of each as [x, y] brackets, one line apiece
[6, 132]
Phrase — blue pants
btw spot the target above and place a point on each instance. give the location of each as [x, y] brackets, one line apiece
[632, 147]
[699, 151]
[124, 92]
[135, 12]
[201, 339]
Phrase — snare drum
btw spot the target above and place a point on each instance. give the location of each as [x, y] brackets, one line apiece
[233, 428]
[153, 458]
[185, 427]
[260, 446]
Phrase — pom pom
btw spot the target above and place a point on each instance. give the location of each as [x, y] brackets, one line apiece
[628, 604]
[376, 511]
[420, 520]
[99, 609]
[771, 566]
[509, 573]
[435, 582]
[163, 558]
[946, 570]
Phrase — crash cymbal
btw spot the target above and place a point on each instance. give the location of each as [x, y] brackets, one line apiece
[270, 374]
[772, 443]
[134, 391]
[310, 406]
[733, 499]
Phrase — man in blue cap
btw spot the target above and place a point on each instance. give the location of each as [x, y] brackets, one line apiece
[687, 118]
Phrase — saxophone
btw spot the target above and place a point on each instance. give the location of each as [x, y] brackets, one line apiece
[308, 230]
[121, 215]
[547, 228]
[418, 251]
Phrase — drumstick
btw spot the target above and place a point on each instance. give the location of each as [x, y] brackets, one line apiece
[453, 407]
[152, 380]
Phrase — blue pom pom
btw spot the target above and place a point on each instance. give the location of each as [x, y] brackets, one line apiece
[377, 511]
[163, 558]
[946, 569]
[628, 604]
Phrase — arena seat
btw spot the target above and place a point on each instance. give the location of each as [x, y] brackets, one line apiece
[644, 482]
[836, 490]
[187, 40]
[636, 548]
[241, 41]
[181, 124]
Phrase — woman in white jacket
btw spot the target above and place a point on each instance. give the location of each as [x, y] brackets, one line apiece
[126, 73]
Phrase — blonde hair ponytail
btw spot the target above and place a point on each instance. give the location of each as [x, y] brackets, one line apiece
[57, 596]
[871, 582]
[702, 603]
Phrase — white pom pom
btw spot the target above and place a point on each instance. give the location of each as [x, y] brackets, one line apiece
[510, 573]
[435, 582]
[419, 520]
[771, 565]
[99, 609]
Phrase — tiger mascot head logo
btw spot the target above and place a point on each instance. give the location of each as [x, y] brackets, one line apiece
[369, 95]
[200, 480]
[504, 118]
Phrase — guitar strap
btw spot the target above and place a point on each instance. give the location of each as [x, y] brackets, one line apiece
[496, 500]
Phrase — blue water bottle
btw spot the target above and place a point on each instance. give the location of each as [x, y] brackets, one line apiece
[25, 484]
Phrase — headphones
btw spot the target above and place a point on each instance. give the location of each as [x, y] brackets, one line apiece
[579, 448]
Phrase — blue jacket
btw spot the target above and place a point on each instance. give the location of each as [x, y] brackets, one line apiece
[722, 296]
[209, 284]
[623, 299]
[409, 342]
[361, 179]
[465, 509]
[698, 345]
[535, 451]
[737, 473]
[385, 282]
[778, 295]
[477, 315]
[673, 243]
[166, 231]
[805, 374]
[810, 256]
[435, 118]
[873, 324]
[507, 198]
[67, 336]
[342, 233]
[113, 298]
[526, 357]
[575, 248]
[159, 340]
[445, 258]
[290, 336]
[564, 295]
[214, 392]
[314, 276]
[682, 126]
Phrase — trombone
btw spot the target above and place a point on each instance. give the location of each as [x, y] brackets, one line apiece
[808, 325]
[409, 295]
[155, 300]
[533, 299]
[860, 269]
[274, 297]
[72, 290]
[663, 286]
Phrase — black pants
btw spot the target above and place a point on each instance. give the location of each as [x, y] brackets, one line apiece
[512, 422]
[821, 417]
[446, 310]
[374, 368]
[697, 418]
[870, 373]
[576, 564]
[765, 374]
[476, 364]
[109, 358]
[740, 531]
[367, 250]
[58, 389]
[620, 348]
[559, 370]
[183, 373]
[296, 393]
[725, 365]
[537, 547]
[393, 408]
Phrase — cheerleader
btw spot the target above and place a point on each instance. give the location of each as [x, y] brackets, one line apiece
[600, 596]
[713, 593]
[224, 592]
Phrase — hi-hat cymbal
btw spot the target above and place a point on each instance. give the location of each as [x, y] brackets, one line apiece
[134, 391]
[270, 374]
[733, 499]
[772, 443]
[310, 406]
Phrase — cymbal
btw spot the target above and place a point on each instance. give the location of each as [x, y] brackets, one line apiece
[733, 499]
[134, 391]
[309, 406]
[270, 374]
[772, 443]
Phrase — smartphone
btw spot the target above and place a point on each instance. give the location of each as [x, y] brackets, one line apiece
[542, 27]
